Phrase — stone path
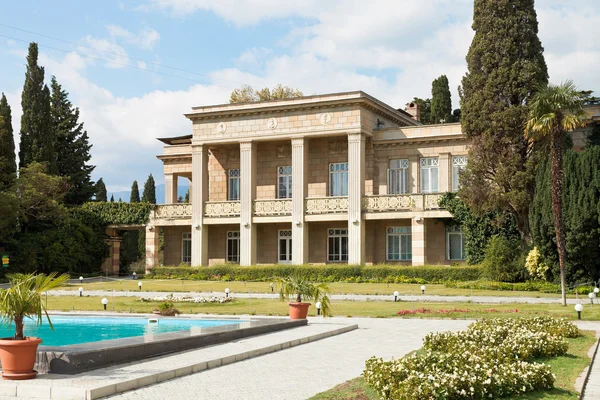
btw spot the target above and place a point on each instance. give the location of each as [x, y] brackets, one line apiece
[353, 297]
[592, 388]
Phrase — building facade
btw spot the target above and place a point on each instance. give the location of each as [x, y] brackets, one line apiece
[337, 178]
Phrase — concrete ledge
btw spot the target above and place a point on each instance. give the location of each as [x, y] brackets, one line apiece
[52, 389]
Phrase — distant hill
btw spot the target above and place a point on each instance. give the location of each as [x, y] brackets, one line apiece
[160, 193]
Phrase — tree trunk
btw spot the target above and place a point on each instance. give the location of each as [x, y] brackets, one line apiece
[299, 298]
[557, 140]
[19, 328]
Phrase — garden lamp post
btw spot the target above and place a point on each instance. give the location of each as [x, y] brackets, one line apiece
[396, 294]
[104, 302]
[80, 292]
[596, 290]
[134, 276]
[579, 309]
[226, 292]
[591, 295]
[422, 289]
[318, 305]
[140, 285]
[81, 279]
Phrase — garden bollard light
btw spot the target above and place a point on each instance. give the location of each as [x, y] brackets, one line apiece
[272, 285]
[422, 289]
[396, 294]
[80, 292]
[104, 302]
[81, 279]
[134, 275]
[318, 305]
[140, 285]
[226, 292]
[591, 295]
[596, 290]
[579, 309]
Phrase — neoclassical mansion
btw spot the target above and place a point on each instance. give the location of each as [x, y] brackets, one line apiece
[334, 178]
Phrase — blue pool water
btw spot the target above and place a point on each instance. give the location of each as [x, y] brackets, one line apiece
[77, 330]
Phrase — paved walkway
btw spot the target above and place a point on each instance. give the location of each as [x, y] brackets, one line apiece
[592, 389]
[353, 297]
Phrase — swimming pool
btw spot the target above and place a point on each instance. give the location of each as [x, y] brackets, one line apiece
[70, 330]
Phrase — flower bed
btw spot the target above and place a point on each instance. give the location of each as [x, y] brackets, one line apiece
[186, 299]
[424, 310]
[492, 358]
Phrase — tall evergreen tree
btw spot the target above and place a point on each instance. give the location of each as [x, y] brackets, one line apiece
[37, 136]
[101, 190]
[149, 195]
[8, 165]
[71, 146]
[135, 193]
[112, 198]
[441, 100]
[505, 66]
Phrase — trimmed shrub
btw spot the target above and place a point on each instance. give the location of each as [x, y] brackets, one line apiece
[504, 260]
[529, 286]
[322, 273]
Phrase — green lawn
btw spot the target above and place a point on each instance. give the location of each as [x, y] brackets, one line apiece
[381, 309]
[566, 368]
[334, 288]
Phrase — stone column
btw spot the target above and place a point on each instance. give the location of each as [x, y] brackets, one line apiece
[152, 246]
[356, 190]
[413, 172]
[419, 235]
[191, 189]
[444, 173]
[383, 177]
[170, 188]
[299, 192]
[247, 196]
[198, 196]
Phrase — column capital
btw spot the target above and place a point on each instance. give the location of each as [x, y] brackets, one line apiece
[300, 141]
[247, 145]
[356, 137]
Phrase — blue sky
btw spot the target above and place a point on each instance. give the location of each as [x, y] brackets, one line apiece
[111, 57]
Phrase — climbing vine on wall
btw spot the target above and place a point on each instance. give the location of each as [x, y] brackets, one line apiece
[121, 213]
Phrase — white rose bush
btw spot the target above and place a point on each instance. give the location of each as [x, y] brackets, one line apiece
[493, 358]
[186, 299]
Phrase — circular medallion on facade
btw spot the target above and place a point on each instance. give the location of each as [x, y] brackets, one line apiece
[221, 127]
[272, 123]
[325, 118]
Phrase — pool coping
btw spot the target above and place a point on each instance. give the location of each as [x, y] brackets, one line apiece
[54, 390]
[77, 358]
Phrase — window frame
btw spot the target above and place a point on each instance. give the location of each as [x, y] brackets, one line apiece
[280, 237]
[402, 171]
[428, 168]
[232, 236]
[186, 237]
[459, 163]
[455, 230]
[343, 172]
[233, 176]
[288, 177]
[403, 231]
[337, 233]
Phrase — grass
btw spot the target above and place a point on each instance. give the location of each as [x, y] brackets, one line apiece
[334, 288]
[379, 309]
[567, 369]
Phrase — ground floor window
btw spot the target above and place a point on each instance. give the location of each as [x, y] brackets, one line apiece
[455, 243]
[399, 243]
[337, 245]
[233, 246]
[285, 246]
[186, 248]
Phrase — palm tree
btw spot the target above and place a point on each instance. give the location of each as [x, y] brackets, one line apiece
[555, 110]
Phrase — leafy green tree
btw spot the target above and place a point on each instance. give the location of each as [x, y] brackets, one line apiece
[247, 94]
[37, 133]
[441, 100]
[594, 137]
[555, 110]
[71, 146]
[149, 195]
[186, 199]
[100, 190]
[8, 164]
[425, 110]
[505, 65]
[135, 193]
[456, 115]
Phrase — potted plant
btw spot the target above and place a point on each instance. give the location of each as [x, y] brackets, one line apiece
[23, 299]
[296, 289]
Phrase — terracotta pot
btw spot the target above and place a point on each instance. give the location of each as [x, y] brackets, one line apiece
[18, 358]
[299, 310]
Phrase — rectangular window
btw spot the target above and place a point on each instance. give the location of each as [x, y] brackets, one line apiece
[285, 246]
[233, 246]
[284, 182]
[399, 243]
[429, 175]
[338, 179]
[233, 185]
[398, 177]
[186, 248]
[455, 243]
[458, 164]
[337, 245]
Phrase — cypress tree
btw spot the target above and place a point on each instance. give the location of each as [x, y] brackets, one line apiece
[441, 100]
[186, 199]
[37, 136]
[71, 146]
[135, 193]
[100, 190]
[149, 195]
[112, 198]
[8, 165]
[505, 65]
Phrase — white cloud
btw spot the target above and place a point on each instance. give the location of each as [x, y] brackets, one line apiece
[141, 65]
[104, 51]
[145, 38]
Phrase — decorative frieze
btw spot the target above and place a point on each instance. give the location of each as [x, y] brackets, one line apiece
[284, 151]
[273, 207]
[337, 146]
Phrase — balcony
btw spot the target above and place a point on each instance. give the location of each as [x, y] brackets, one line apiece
[387, 203]
[222, 209]
[173, 211]
[326, 205]
[272, 207]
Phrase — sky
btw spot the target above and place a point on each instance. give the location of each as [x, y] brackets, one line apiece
[135, 67]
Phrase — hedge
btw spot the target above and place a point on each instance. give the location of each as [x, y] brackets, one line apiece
[323, 273]
[530, 286]
[120, 213]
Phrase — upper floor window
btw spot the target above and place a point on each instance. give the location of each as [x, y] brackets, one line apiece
[186, 248]
[429, 175]
[458, 164]
[398, 177]
[284, 182]
[338, 179]
[455, 243]
[399, 243]
[233, 184]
